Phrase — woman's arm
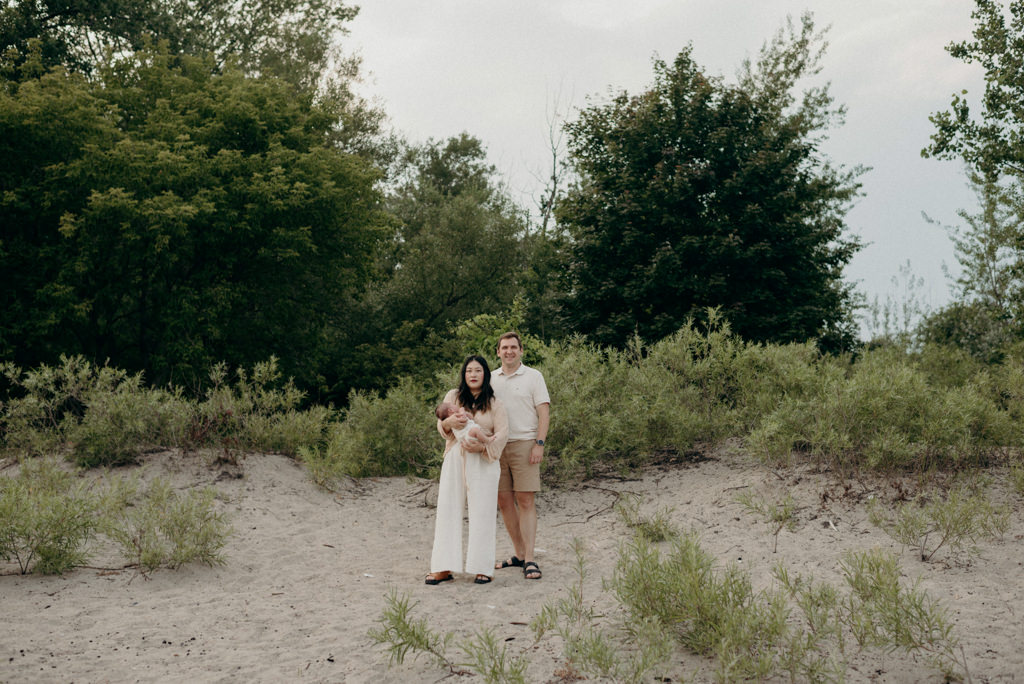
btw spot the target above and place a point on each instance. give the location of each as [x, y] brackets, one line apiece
[450, 423]
[500, 432]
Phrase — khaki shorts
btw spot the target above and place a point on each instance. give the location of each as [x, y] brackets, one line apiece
[517, 475]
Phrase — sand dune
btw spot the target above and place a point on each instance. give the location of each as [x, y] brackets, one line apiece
[307, 572]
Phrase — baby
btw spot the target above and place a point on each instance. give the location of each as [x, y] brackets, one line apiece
[471, 430]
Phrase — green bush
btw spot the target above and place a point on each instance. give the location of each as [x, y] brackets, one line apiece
[656, 527]
[257, 412]
[945, 366]
[627, 656]
[288, 432]
[44, 404]
[963, 516]
[768, 374]
[885, 415]
[590, 410]
[710, 612]
[380, 436]
[159, 528]
[613, 410]
[122, 421]
[47, 518]
[882, 613]
[109, 417]
[401, 635]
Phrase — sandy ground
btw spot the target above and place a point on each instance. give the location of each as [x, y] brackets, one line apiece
[307, 573]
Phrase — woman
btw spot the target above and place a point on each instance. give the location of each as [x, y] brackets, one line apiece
[470, 471]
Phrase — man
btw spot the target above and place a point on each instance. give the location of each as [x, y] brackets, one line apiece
[525, 395]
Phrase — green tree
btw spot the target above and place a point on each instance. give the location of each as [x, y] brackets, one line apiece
[291, 39]
[992, 141]
[455, 252]
[986, 314]
[168, 216]
[697, 193]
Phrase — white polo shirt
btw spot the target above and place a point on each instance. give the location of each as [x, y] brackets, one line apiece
[521, 392]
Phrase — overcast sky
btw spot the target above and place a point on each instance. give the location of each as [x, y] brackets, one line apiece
[499, 71]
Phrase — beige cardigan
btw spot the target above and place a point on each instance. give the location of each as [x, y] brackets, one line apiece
[494, 421]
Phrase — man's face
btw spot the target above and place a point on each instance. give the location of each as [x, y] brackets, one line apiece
[510, 352]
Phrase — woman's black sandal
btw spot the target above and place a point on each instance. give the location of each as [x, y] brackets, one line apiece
[437, 580]
[531, 568]
[482, 579]
[512, 562]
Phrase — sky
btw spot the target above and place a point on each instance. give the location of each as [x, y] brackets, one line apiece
[504, 71]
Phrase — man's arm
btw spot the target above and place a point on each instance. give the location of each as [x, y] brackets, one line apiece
[543, 421]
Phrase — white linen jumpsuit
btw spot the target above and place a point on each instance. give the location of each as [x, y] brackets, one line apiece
[469, 478]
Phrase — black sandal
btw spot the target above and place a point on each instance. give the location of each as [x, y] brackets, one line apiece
[482, 579]
[433, 578]
[512, 562]
[531, 568]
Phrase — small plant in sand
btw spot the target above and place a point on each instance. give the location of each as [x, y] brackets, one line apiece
[47, 518]
[957, 521]
[657, 527]
[492, 661]
[158, 528]
[778, 514]
[881, 613]
[626, 657]
[402, 635]
[1017, 478]
[752, 635]
[710, 612]
[814, 651]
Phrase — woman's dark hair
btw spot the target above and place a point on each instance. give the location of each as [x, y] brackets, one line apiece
[466, 398]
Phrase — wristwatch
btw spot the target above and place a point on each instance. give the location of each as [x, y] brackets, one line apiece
[540, 442]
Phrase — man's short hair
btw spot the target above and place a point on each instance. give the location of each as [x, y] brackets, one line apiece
[510, 335]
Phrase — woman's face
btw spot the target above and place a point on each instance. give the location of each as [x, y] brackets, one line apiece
[474, 375]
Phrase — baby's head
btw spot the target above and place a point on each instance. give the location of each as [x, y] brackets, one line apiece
[445, 409]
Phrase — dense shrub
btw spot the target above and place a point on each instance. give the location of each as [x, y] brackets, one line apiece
[47, 518]
[108, 417]
[122, 421]
[391, 435]
[616, 408]
[44, 404]
[769, 374]
[590, 409]
[157, 527]
[711, 612]
[611, 409]
[258, 412]
[884, 414]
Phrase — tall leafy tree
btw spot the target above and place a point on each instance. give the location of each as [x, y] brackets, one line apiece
[291, 39]
[699, 193]
[991, 140]
[455, 252]
[986, 313]
[168, 216]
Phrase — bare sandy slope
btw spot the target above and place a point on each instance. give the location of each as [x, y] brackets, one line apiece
[307, 572]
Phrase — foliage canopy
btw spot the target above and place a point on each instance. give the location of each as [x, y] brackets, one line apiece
[169, 216]
[286, 38]
[699, 193]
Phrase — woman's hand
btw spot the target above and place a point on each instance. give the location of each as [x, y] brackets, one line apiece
[472, 446]
[454, 422]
